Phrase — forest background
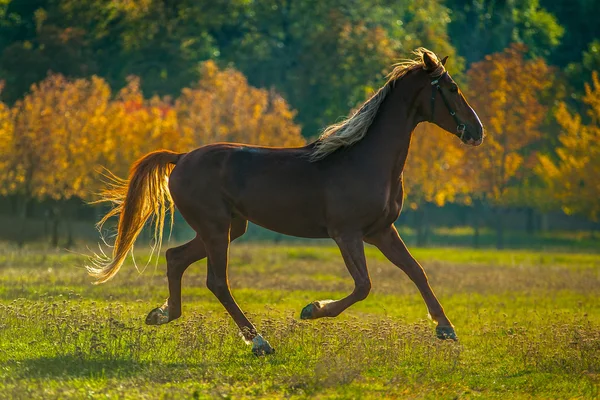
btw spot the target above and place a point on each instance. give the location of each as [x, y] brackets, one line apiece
[99, 83]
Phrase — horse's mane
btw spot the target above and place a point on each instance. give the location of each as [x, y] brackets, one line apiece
[355, 127]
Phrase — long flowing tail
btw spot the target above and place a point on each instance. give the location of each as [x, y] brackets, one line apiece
[144, 195]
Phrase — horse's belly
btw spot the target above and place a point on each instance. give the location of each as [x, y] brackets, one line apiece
[291, 226]
[289, 212]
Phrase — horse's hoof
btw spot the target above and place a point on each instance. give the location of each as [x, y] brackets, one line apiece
[446, 333]
[315, 310]
[260, 347]
[158, 316]
[308, 311]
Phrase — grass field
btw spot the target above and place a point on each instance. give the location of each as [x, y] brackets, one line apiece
[528, 322]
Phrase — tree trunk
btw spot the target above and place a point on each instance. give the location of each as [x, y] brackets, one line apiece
[476, 223]
[68, 219]
[499, 228]
[544, 222]
[23, 221]
[55, 225]
[422, 226]
[530, 221]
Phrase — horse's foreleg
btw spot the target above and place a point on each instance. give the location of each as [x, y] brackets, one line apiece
[392, 246]
[352, 249]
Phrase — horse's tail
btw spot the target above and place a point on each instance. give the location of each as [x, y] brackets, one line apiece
[144, 195]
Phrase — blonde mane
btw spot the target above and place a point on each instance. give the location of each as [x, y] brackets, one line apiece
[352, 129]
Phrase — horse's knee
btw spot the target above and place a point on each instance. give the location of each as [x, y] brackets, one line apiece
[416, 273]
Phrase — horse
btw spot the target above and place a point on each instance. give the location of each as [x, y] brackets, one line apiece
[346, 185]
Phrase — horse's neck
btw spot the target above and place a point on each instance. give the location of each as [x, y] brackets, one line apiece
[387, 141]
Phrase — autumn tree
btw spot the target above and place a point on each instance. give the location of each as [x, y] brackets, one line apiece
[434, 174]
[6, 141]
[504, 90]
[325, 57]
[55, 139]
[223, 107]
[137, 125]
[59, 138]
[573, 177]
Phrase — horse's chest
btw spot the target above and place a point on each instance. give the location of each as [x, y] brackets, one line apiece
[387, 216]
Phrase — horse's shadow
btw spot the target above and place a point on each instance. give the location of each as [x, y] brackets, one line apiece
[71, 366]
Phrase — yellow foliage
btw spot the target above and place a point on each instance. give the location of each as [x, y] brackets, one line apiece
[224, 108]
[58, 137]
[574, 179]
[54, 140]
[434, 170]
[6, 156]
[504, 89]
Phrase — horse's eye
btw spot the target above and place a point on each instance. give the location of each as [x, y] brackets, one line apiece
[454, 88]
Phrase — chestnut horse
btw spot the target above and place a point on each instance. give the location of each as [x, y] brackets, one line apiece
[347, 185]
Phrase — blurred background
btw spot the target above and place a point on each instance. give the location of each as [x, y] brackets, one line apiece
[90, 84]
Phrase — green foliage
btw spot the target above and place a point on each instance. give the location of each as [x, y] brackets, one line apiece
[581, 22]
[580, 72]
[325, 57]
[481, 27]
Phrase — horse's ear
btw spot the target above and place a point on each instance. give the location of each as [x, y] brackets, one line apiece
[444, 61]
[430, 63]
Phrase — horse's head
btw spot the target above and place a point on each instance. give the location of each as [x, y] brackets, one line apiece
[445, 105]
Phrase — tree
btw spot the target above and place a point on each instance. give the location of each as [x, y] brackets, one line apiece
[325, 57]
[505, 89]
[579, 73]
[581, 22]
[58, 141]
[573, 177]
[53, 141]
[223, 107]
[137, 125]
[6, 151]
[39, 46]
[481, 27]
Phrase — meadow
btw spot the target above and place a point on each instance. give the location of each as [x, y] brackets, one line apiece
[528, 323]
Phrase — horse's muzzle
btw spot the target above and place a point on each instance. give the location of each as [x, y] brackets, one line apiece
[468, 137]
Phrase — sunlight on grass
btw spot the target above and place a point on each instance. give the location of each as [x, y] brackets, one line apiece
[528, 322]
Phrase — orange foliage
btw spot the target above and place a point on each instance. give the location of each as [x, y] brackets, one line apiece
[504, 89]
[137, 126]
[223, 107]
[53, 141]
[575, 179]
[6, 141]
[434, 170]
[58, 136]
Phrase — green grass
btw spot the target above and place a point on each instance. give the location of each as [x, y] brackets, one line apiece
[461, 236]
[528, 322]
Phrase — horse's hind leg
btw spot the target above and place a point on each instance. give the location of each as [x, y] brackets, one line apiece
[178, 260]
[217, 248]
